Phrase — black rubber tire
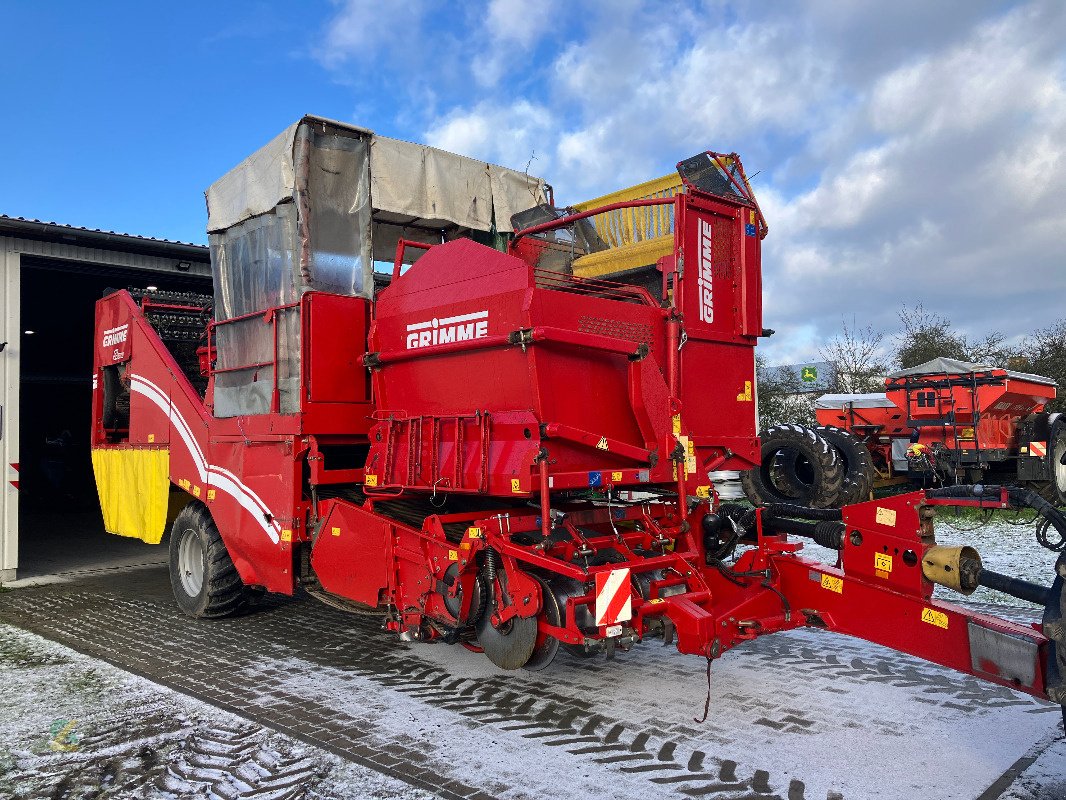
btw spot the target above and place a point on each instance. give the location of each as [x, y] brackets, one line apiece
[221, 592]
[1056, 468]
[765, 484]
[859, 470]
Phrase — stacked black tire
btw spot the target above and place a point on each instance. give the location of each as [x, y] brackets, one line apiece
[821, 467]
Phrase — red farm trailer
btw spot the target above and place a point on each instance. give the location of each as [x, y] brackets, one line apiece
[494, 449]
[970, 422]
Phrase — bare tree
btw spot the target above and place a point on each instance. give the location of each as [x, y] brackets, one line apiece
[858, 359]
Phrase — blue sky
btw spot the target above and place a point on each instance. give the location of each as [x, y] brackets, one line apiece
[906, 151]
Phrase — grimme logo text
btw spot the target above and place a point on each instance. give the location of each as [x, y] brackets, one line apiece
[114, 336]
[448, 329]
[706, 274]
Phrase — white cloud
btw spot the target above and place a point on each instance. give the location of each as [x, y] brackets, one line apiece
[362, 28]
[908, 151]
[506, 134]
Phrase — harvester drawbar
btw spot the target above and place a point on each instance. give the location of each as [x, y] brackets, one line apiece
[503, 448]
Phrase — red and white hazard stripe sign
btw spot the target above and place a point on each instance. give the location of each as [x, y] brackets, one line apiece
[1038, 449]
[614, 597]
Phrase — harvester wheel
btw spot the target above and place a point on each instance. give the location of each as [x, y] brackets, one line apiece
[202, 575]
[1056, 467]
[768, 483]
[859, 470]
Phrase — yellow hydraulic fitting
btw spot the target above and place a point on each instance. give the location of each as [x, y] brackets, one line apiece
[957, 568]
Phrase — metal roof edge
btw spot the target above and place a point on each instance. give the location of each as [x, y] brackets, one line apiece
[126, 242]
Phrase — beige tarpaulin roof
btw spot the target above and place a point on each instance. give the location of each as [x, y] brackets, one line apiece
[952, 366]
[409, 183]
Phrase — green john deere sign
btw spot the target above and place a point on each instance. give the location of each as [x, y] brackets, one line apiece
[809, 374]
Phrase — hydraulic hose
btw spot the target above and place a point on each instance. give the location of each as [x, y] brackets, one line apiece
[827, 533]
[776, 510]
[1015, 587]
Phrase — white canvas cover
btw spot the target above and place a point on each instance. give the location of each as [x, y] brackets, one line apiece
[953, 366]
[837, 401]
[408, 182]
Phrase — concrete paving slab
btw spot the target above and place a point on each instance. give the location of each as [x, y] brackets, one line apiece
[803, 716]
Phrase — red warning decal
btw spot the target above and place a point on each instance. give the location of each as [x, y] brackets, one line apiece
[1038, 449]
[614, 597]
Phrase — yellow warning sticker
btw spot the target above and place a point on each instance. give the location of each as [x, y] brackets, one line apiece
[151, 438]
[371, 480]
[690, 455]
[616, 476]
[751, 217]
[196, 491]
[335, 531]
[210, 494]
[833, 584]
[184, 484]
[516, 485]
[286, 535]
[656, 600]
[886, 516]
[746, 395]
[938, 618]
[703, 492]
[473, 533]
[602, 444]
[883, 562]
[677, 424]
[453, 555]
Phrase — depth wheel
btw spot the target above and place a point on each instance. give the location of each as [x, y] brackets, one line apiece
[547, 646]
[511, 645]
[202, 575]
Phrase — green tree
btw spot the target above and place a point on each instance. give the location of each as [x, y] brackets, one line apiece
[926, 335]
[1044, 353]
[782, 395]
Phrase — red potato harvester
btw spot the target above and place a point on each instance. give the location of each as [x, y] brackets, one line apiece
[501, 448]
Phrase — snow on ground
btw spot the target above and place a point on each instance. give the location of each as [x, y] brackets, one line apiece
[1045, 779]
[836, 717]
[73, 727]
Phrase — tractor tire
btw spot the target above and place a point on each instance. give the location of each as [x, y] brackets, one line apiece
[205, 582]
[1055, 466]
[859, 470]
[787, 445]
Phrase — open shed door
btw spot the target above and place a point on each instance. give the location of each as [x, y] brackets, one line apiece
[10, 335]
